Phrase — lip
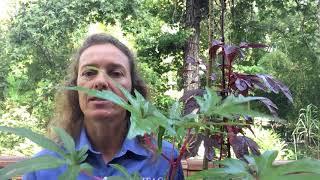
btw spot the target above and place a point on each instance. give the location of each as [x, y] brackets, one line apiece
[99, 101]
[96, 99]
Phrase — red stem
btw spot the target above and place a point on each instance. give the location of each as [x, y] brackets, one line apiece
[183, 149]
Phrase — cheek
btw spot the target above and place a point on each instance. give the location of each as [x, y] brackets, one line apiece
[82, 99]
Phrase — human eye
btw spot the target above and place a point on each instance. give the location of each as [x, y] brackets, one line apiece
[116, 73]
[89, 72]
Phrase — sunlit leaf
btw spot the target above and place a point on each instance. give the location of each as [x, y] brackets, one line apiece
[66, 139]
[28, 165]
[35, 137]
[86, 167]
[233, 169]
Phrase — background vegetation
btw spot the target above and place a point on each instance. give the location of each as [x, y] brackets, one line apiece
[38, 37]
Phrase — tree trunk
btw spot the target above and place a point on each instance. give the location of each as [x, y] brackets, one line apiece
[191, 79]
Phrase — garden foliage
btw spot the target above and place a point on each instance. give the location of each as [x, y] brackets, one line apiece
[75, 159]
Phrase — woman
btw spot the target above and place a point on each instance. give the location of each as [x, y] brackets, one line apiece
[101, 124]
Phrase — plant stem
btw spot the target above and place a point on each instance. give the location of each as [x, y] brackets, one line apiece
[223, 55]
[183, 149]
[209, 70]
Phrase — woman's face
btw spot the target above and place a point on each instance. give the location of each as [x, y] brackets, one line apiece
[98, 64]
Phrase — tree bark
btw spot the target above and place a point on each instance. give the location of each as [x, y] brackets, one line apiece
[191, 79]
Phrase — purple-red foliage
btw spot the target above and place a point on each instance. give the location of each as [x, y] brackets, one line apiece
[237, 83]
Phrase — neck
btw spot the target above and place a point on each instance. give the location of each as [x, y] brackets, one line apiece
[106, 135]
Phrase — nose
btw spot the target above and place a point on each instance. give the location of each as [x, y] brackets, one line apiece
[101, 82]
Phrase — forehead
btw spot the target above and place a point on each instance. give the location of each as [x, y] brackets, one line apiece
[103, 54]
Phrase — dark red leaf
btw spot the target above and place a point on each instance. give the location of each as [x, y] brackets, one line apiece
[241, 85]
[190, 103]
[285, 90]
[275, 85]
[269, 82]
[208, 143]
[234, 129]
[215, 45]
[217, 140]
[253, 146]
[257, 84]
[237, 81]
[231, 52]
[252, 45]
[193, 145]
[240, 145]
[270, 105]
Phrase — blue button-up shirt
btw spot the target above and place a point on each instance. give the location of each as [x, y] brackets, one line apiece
[132, 156]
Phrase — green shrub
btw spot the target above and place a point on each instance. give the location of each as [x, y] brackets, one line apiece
[17, 116]
[267, 139]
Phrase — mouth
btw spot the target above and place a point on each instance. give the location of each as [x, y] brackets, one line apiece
[96, 99]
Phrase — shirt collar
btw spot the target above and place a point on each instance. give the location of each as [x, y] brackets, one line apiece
[131, 145]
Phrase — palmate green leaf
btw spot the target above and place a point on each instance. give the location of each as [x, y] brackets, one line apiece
[86, 167]
[175, 111]
[81, 154]
[262, 168]
[142, 126]
[230, 110]
[35, 137]
[67, 140]
[212, 104]
[300, 169]
[233, 169]
[81, 158]
[33, 164]
[208, 101]
[265, 161]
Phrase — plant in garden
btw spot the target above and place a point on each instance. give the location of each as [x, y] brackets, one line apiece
[233, 84]
[262, 168]
[145, 118]
[69, 156]
[176, 125]
[224, 132]
[268, 139]
[307, 129]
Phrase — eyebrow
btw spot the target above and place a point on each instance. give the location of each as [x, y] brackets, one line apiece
[112, 66]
